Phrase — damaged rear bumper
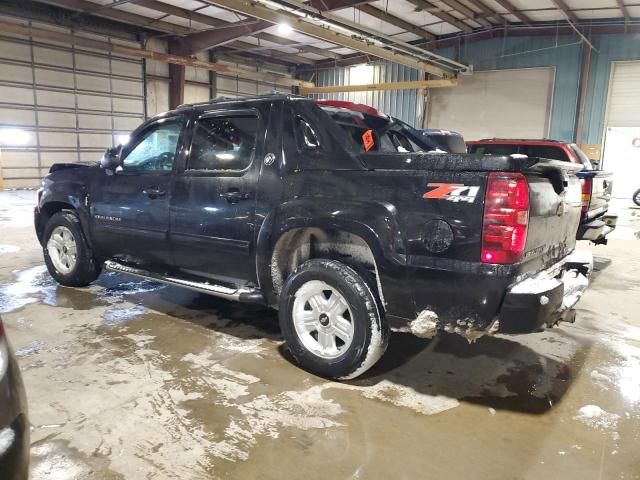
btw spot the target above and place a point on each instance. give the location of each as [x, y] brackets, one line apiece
[548, 297]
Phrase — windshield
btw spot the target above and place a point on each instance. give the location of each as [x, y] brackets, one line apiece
[376, 133]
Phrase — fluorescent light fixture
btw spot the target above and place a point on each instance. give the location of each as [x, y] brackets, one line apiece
[122, 138]
[284, 29]
[225, 156]
[14, 136]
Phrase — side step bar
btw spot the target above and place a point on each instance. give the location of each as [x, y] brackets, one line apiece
[245, 295]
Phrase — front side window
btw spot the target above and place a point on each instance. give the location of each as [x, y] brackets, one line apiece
[224, 143]
[156, 150]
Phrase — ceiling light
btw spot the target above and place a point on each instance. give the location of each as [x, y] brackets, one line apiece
[284, 29]
[14, 136]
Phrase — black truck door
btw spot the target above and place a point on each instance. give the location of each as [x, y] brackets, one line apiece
[213, 198]
[130, 208]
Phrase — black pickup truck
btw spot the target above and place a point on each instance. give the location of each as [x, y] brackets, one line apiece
[339, 216]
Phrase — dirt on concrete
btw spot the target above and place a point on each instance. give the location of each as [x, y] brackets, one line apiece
[130, 379]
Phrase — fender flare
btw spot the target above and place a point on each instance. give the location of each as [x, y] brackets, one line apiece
[72, 194]
[375, 222]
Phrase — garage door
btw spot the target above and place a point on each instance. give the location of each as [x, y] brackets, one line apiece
[498, 103]
[622, 132]
[62, 104]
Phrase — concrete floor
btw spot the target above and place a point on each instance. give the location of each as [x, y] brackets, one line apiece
[134, 380]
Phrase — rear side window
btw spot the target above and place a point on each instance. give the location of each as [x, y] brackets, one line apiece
[551, 152]
[494, 149]
[224, 143]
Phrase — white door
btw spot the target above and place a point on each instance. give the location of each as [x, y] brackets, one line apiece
[495, 104]
[622, 158]
[622, 132]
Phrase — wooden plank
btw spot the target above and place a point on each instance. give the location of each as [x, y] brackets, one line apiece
[373, 87]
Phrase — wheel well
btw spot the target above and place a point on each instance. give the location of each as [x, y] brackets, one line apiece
[297, 246]
[46, 212]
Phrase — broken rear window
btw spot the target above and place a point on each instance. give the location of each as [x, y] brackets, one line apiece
[377, 133]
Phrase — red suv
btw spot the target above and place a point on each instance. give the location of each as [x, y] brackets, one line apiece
[595, 225]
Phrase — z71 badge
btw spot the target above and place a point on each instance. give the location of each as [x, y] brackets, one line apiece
[454, 192]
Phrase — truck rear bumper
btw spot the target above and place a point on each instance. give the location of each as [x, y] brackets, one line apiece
[546, 298]
[597, 230]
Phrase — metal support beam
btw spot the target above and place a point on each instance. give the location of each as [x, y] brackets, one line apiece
[487, 12]
[582, 99]
[466, 11]
[205, 40]
[121, 16]
[216, 22]
[374, 87]
[564, 8]
[438, 13]
[177, 76]
[326, 33]
[508, 6]
[43, 34]
[572, 20]
[395, 21]
[625, 11]
[328, 5]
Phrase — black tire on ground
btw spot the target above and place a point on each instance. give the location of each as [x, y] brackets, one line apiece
[86, 269]
[636, 197]
[370, 331]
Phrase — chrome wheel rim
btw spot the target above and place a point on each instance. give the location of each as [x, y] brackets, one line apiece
[62, 249]
[322, 319]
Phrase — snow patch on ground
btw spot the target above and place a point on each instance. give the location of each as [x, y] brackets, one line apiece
[403, 396]
[425, 325]
[120, 315]
[30, 286]
[595, 417]
[8, 249]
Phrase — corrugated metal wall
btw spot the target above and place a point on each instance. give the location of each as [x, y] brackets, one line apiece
[561, 52]
[403, 104]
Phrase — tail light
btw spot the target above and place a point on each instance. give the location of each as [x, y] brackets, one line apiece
[506, 217]
[585, 184]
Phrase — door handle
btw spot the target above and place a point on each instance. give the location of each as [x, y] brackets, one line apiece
[153, 192]
[234, 196]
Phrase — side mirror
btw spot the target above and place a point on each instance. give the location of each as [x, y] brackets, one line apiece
[111, 158]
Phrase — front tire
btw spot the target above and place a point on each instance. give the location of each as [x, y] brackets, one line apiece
[67, 253]
[636, 197]
[330, 320]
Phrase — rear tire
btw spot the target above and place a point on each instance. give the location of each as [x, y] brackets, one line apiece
[66, 251]
[330, 320]
[636, 197]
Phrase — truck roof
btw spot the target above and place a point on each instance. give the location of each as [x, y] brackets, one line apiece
[254, 98]
[537, 141]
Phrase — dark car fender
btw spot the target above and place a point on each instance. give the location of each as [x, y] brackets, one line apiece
[63, 194]
[375, 223]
